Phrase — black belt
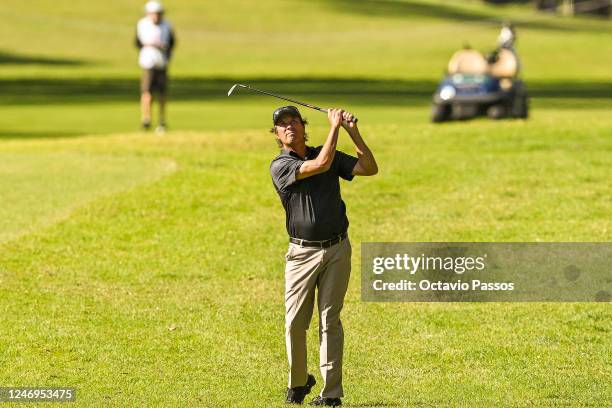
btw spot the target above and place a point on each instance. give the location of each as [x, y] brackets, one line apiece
[318, 244]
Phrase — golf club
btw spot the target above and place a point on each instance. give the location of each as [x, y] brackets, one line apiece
[280, 97]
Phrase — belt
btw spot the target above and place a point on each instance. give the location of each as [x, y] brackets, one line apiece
[318, 244]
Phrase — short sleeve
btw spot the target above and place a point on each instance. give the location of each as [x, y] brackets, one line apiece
[346, 163]
[284, 171]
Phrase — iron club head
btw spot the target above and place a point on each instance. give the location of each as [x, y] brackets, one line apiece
[232, 89]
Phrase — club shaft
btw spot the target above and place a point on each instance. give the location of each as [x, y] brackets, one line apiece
[285, 98]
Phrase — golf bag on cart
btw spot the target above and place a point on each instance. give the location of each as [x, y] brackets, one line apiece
[476, 85]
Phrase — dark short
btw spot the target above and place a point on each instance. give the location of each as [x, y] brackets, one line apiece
[154, 81]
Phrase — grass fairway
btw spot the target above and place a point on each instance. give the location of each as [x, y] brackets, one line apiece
[148, 271]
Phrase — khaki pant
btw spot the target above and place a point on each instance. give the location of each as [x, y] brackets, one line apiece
[327, 269]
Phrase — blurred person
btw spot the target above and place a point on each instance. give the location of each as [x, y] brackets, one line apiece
[468, 61]
[504, 60]
[155, 40]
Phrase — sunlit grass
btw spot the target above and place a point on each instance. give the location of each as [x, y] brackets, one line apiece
[147, 270]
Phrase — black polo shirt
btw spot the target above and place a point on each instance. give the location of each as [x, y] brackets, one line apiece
[313, 206]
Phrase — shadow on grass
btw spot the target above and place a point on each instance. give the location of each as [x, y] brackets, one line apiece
[354, 91]
[36, 134]
[9, 58]
[410, 9]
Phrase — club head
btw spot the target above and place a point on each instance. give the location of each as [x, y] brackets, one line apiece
[231, 89]
[234, 87]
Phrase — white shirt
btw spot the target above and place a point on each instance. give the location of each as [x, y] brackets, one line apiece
[155, 38]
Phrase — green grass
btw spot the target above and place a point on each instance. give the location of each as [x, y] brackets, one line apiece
[147, 270]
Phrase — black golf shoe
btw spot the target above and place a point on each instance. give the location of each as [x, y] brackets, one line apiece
[325, 402]
[296, 395]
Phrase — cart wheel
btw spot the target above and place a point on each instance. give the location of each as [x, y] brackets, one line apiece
[440, 113]
[519, 104]
[523, 110]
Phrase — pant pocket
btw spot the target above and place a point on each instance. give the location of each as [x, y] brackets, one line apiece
[289, 253]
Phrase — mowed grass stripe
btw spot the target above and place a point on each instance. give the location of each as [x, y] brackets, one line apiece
[40, 189]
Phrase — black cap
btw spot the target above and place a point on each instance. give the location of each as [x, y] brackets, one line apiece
[292, 110]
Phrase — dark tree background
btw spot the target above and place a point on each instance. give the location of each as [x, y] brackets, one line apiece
[568, 7]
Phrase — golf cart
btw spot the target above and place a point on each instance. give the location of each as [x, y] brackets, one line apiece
[476, 85]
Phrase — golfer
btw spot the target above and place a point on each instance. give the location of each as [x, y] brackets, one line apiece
[155, 39]
[319, 256]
